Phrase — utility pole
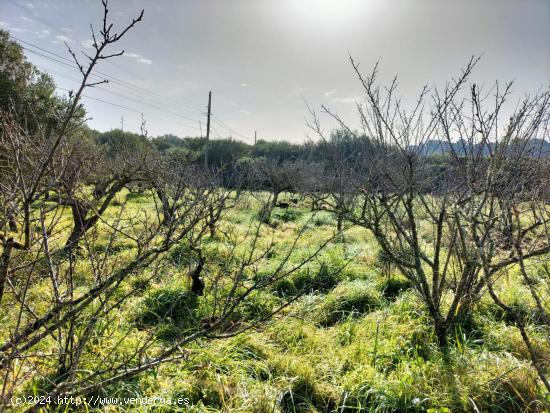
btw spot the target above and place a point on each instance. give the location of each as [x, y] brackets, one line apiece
[207, 131]
[122, 123]
[255, 137]
[142, 129]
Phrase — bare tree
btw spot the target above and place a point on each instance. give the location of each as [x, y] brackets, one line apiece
[30, 158]
[70, 303]
[332, 188]
[440, 219]
[277, 177]
[85, 166]
[77, 318]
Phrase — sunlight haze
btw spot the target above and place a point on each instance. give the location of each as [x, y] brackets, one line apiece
[262, 59]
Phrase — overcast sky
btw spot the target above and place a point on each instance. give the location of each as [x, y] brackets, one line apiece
[262, 58]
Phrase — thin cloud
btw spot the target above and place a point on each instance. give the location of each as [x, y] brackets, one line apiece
[28, 5]
[87, 44]
[246, 112]
[244, 84]
[63, 38]
[42, 33]
[144, 60]
[330, 93]
[138, 58]
[18, 29]
[346, 99]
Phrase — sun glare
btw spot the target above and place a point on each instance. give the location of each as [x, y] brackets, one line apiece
[325, 11]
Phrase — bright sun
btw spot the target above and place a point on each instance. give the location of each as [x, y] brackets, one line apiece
[326, 11]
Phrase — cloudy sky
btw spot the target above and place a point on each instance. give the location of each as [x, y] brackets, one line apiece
[263, 58]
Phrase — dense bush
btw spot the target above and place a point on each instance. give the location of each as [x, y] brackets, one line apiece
[393, 287]
[172, 312]
[348, 299]
[322, 280]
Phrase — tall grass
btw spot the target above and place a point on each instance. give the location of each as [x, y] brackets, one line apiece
[359, 340]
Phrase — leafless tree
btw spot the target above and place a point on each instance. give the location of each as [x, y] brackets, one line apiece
[74, 319]
[277, 177]
[442, 219]
[331, 187]
[64, 327]
[86, 166]
[30, 158]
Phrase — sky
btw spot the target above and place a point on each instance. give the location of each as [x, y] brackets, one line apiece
[264, 59]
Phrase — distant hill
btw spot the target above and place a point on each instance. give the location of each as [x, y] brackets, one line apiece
[439, 147]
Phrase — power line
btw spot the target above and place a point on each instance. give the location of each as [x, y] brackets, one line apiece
[71, 63]
[229, 128]
[102, 101]
[122, 95]
[207, 130]
[114, 104]
[55, 29]
[112, 79]
[216, 132]
[136, 90]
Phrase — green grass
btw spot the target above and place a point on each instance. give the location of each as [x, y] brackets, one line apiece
[359, 340]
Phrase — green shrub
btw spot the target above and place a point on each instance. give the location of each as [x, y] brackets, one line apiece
[140, 284]
[349, 299]
[323, 219]
[181, 255]
[202, 392]
[368, 398]
[305, 396]
[392, 287]
[116, 202]
[526, 313]
[384, 263]
[136, 196]
[264, 215]
[323, 280]
[327, 278]
[173, 311]
[112, 248]
[257, 305]
[515, 391]
[286, 215]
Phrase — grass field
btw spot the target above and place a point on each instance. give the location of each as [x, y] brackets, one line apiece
[361, 341]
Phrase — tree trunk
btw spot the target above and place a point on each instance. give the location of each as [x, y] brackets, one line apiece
[80, 225]
[4, 264]
[441, 331]
[313, 205]
[166, 213]
[211, 221]
[76, 234]
[12, 223]
[197, 286]
[275, 199]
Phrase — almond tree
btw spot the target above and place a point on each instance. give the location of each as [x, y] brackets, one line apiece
[440, 220]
